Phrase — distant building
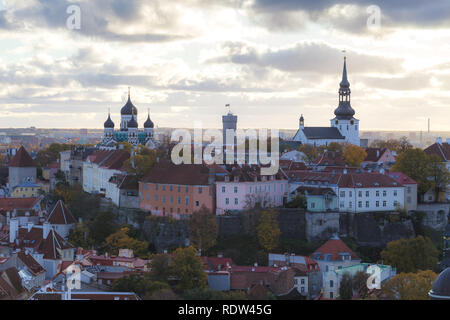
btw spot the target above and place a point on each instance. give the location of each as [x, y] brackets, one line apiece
[240, 187]
[229, 122]
[100, 166]
[26, 189]
[344, 127]
[21, 168]
[442, 150]
[177, 190]
[378, 156]
[410, 189]
[129, 131]
[61, 219]
[333, 255]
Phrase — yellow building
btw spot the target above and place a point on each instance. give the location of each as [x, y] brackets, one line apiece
[26, 190]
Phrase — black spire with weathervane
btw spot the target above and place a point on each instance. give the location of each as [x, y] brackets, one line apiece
[129, 107]
[344, 111]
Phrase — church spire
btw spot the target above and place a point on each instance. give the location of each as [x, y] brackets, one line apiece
[344, 83]
[344, 110]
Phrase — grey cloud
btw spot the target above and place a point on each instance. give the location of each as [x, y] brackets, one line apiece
[284, 14]
[98, 18]
[306, 57]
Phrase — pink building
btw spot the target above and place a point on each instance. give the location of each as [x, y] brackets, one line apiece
[243, 186]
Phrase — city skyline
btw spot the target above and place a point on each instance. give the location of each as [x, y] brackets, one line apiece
[271, 61]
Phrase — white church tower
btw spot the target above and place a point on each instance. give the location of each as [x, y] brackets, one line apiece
[344, 121]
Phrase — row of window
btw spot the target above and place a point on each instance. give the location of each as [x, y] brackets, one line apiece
[171, 188]
[360, 193]
[267, 188]
[367, 204]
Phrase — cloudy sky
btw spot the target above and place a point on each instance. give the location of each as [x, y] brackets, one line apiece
[271, 60]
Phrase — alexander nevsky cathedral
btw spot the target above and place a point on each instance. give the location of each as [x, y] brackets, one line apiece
[129, 129]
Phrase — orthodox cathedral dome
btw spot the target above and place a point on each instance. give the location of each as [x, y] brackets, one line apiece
[109, 123]
[128, 108]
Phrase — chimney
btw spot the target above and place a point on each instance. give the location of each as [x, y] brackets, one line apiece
[256, 264]
[45, 230]
[439, 140]
[212, 175]
[378, 153]
[29, 226]
[13, 229]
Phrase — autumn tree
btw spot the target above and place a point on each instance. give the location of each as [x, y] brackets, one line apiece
[79, 237]
[398, 146]
[410, 255]
[121, 240]
[141, 162]
[438, 174]
[360, 284]
[268, 230]
[426, 170]
[203, 229]
[336, 147]
[346, 287]
[49, 155]
[310, 152]
[354, 155]
[187, 267]
[139, 284]
[409, 286]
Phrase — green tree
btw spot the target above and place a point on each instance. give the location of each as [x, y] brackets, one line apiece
[310, 152]
[268, 230]
[79, 237]
[415, 164]
[409, 286]
[438, 174]
[121, 240]
[354, 155]
[410, 255]
[203, 229]
[103, 225]
[360, 284]
[187, 268]
[142, 162]
[336, 147]
[160, 267]
[346, 287]
[139, 284]
[299, 201]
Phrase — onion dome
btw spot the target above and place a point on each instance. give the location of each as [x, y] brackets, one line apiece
[108, 123]
[344, 110]
[441, 286]
[132, 123]
[148, 124]
[128, 108]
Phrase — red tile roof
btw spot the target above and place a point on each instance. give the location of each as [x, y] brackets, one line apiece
[9, 204]
[329, 158]
[61, 214]
[333, 247]
[441, 150]
[216, 263]
[21, 159]
[32, 265]
[10, 284]
[183, 174]
[401, 178]
[345, 180]
[374, 154]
